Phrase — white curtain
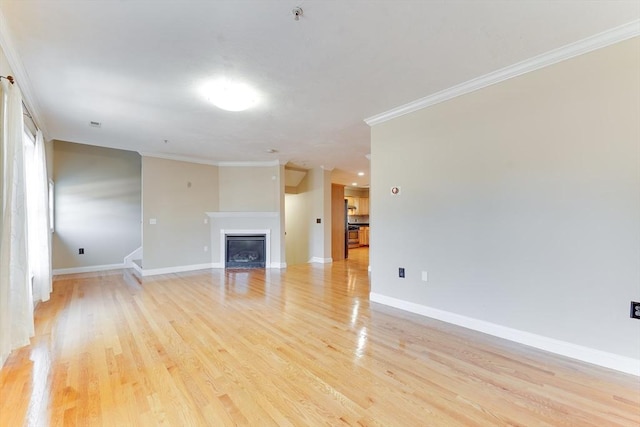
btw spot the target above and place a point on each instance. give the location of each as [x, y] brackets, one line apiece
[16, 300]
[38, 227]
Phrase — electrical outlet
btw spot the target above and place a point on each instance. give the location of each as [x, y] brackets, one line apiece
[635, 310]
[81, 251]
[401, 272]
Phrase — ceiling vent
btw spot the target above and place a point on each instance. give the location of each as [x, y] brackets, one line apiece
[95, 124]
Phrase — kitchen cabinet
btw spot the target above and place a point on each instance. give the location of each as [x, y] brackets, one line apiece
[352, 205]
[363, 206]
[358, 205]
[363, 236]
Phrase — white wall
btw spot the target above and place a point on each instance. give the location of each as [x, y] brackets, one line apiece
[96, 206]
[522, 201]
[177, 195]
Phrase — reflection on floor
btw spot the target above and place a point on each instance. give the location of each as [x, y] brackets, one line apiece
[298, 347]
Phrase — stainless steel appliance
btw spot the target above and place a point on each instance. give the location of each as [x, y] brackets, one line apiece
[353, 235]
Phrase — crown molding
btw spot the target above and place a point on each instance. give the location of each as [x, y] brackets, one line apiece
[178, 158]
[597, 41]
[22, 78]
[208, 161]
[249, 164]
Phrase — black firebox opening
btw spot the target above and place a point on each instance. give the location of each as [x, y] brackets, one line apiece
[246, 251]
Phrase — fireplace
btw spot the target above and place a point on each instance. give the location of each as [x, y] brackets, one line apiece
[245, 251]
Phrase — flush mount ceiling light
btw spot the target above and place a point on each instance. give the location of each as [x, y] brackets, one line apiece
[360, 173]
[231, 95]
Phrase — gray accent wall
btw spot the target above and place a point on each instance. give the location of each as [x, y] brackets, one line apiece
[521, 201]
[97, 205]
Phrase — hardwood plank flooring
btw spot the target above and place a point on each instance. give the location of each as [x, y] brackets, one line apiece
[300, 347]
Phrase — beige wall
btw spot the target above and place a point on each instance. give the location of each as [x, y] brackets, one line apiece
[177, 195]
[311, 200]
[249, 189]
[297, 224]
[522, 201]
[316, 188]
[97, 205]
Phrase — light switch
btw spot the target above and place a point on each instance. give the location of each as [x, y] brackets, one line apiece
[152, 221]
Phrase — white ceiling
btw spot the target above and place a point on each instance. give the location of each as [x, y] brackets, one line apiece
[136, 67]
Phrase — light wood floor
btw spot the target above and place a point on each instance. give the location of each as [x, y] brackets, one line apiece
[301, 347]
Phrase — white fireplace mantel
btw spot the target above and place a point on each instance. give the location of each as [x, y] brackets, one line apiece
[247, 223]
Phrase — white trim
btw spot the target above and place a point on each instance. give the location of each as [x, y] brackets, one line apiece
[574, 351]
[211, 162]
[128, 260]
[88, 269]
[320, 260]
[169, 270]
[178, 158]
[249, 164]
[278, 265]
[245, 232]
[243, 214]
[597, 41]
[137, 268]
[29, 96]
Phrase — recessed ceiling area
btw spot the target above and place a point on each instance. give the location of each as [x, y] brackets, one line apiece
[138, 68]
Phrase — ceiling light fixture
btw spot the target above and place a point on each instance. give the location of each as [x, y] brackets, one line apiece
[231, 95]
[360, 173]
[271, 150]
[297, 13]
[355, 184]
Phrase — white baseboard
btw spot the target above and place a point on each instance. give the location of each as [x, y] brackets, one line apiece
[137, 268]
[574, 351]
[278, 265]
[168, 270]
[88, 269]
[321, 260]
[137, 254]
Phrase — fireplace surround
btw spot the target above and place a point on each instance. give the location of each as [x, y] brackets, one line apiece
[247, 223]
